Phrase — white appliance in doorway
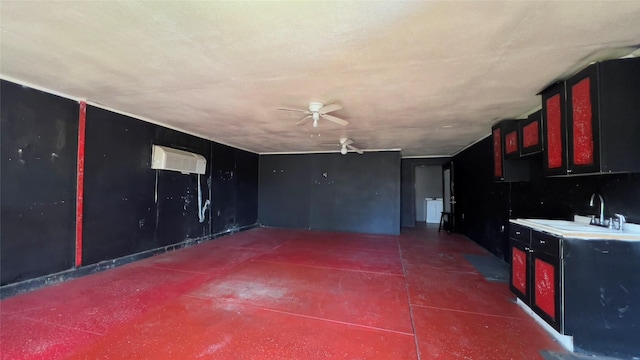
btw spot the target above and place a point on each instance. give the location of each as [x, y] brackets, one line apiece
[433, 210]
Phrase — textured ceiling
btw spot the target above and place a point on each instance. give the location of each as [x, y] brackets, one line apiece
[425, 77]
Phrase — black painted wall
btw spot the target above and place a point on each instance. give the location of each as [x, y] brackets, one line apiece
[246, 190]
[156, 208]
[128, 207]
[484, 207]
[152, 208]
[38, 184]
[354, 193]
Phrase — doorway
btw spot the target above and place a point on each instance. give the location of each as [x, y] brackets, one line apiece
[428, 194]
[449, 196]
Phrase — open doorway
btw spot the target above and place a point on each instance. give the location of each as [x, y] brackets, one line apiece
[428, 194]
[449, 197]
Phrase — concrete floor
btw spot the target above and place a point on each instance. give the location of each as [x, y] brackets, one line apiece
[281, 294]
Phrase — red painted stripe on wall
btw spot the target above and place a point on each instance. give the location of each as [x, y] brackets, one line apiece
[80, 181]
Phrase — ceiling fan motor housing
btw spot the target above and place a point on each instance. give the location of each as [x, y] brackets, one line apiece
[314, 107]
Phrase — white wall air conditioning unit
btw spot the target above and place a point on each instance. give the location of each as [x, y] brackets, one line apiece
[165, 158]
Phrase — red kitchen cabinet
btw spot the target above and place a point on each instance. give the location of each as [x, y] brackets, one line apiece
[530, 131]
[506, 152]
[511, 140]
[535, 275]
[520, 275]
[590, 121]
[498, 172]
[545, 267]
[582, 286]
[555, 129]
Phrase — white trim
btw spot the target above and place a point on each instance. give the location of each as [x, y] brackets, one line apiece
[470, 145]
[526, 114]
[565, 340]
[523, 116]
[321, 152]
[426, 156]
[108, 108]
[40, 88]
[142, 118]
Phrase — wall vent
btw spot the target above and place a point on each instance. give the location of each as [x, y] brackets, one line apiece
[165, 158]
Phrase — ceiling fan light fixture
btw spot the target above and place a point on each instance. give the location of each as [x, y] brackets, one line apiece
[343, 150]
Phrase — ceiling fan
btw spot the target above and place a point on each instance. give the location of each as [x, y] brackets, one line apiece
[346, 144]
[319, 110]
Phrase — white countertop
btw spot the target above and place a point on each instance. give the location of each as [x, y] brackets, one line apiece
[579, 229]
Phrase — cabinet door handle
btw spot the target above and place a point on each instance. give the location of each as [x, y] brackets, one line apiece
[517, 232]
[542, 242]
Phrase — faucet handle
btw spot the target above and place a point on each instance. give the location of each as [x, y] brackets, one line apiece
[622, 220]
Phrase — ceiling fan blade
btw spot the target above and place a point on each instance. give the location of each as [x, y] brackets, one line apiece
[346, 141]
[303, 120]
[334, 119]
[355, 149]
[329, 108]
[296, 110]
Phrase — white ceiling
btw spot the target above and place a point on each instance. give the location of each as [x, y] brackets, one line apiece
[426, 77]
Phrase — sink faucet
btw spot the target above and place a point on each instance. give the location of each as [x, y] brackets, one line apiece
[621, 220]
[601, 206]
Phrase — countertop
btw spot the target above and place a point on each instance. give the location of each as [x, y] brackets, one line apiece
[580, 229]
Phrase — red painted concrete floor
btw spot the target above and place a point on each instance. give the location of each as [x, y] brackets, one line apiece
[281, 294]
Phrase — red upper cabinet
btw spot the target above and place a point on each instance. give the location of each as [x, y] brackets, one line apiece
[555, 129]
[582, 110]
[496, 133]
[597, 129]
[506, 151]
[531, 134]
[511, 142]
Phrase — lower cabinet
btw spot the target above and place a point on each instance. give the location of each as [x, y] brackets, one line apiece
[536, 273]
[586, 288]
[546, 288]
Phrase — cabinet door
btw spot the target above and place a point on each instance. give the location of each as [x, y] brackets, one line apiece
[511, 141]
[531, 134]
[545, 290]
[498, 173]
[582, 125]
[519, 278]
[555, 132]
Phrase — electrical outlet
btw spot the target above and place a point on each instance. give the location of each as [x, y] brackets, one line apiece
[140, 223]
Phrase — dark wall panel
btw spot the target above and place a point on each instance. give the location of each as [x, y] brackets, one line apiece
[178, 207]
[357, 193]
[284, 191]
[223, 191]
[484, 207]
[119, 186]
[130, 207]
[246, 188]
[565, 196]
[38, 187]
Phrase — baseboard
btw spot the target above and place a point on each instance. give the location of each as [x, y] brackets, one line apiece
[565, 341]
[21, 287]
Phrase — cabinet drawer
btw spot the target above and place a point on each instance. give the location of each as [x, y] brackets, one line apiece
[520, 233]
[545, 243]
